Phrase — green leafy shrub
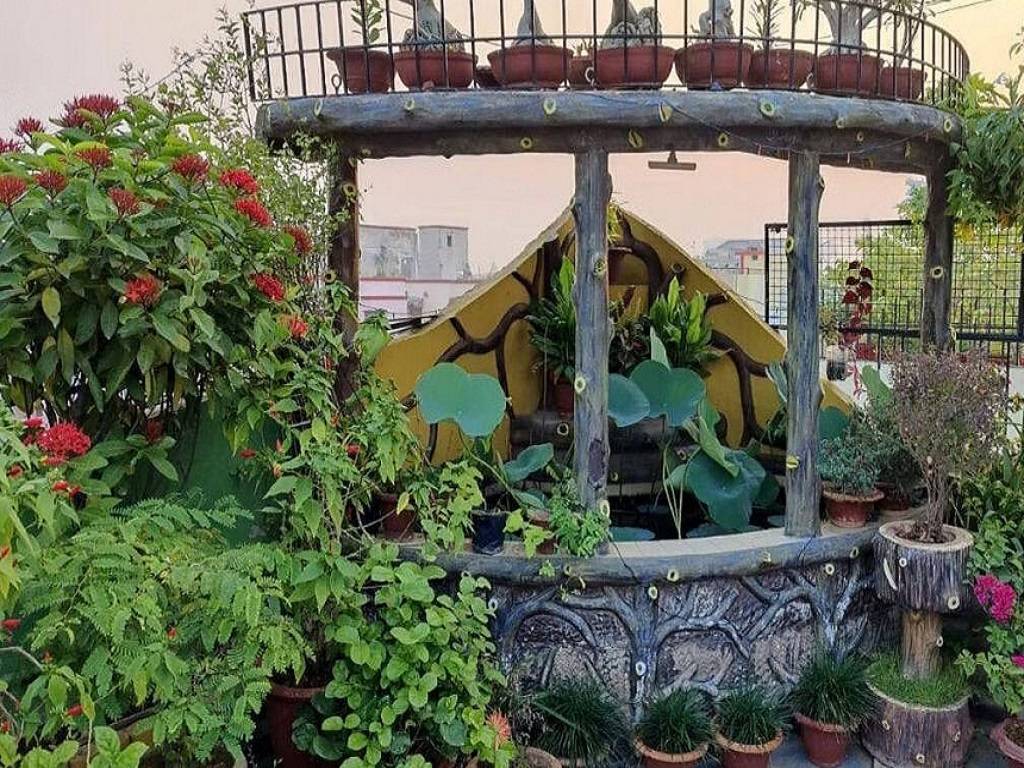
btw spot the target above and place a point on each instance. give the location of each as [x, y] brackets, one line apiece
[896, 464]
[751, 715]
[552, 321]
[834, 690]
[579, 531]
[582, 722]
[105, 752]
[848, 462]
[676, 723]
[683, 326]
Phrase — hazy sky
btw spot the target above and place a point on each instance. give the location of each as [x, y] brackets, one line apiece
[54, 49]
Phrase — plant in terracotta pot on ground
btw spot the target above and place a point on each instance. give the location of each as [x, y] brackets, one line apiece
[552, 321]
[830, 701]
[675, 730]
[848, 466]
[361, 68]
[582, 724]
[750, 725]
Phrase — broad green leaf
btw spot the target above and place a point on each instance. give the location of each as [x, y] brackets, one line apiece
[534, 458]
[44, 243]
[108, 319]
[673, 393]
[658, 351]
[729, 499]
[51, 304]
[832, 423]
[627, 403]
[473, 401]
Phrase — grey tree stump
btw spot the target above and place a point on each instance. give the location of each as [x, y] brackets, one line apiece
[910, 736]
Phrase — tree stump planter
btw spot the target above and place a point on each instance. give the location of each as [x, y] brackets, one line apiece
[363, 70]
[655, 759]
[426, 68]
[642, 66]
[920, 576]
[913, 736]
[779, 68]
[848, 511]
[826, 745]
[725, 63]
[1010, 749]
[530, 66]
[736, 755]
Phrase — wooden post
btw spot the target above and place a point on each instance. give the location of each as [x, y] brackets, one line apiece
[593, 331]
[937, 275]
[803, 491]
[343, 257]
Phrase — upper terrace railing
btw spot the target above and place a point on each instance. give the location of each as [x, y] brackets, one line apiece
[847, 47]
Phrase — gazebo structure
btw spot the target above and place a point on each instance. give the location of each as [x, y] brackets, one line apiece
[851, 83]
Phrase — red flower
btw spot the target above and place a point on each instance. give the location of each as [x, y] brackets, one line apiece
[5, 726]
[303, 242]
[62, 441]
[34, 422]
[52, 181]
[352, 449]
[15, 471]
[9, 146]
[240, 180]
[97, 103]
[11, 189]
[27, 126]
[269, 286]
[154, 431]
[126, 202]
[143, 291]
[297, 327]
[74, 490]
[4, 552]
[253, 210]
[74, 711]
[60, 486]
[98, 156]
[191, 167]
[172, 633]
[246, 453]
[11, 624]
[864, 290]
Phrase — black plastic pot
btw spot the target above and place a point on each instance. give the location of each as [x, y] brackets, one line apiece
[489, 532]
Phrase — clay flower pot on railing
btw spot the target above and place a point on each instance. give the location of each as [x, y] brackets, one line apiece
[849, 511]
[426, 68]
[901, 82]
[849, 74]
[637, 66]
[779, 68]
[581, 71]
[724, 63]
[530, 66]
[363, 70]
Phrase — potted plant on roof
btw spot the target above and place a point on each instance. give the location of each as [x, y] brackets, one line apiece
[532, 59]
[630, 54]
[902, 79]
[675, 730]
[830, 700]
[751, 722]
[362, 68]
[581, 68]
[553, 334]
[432, 53]
[777, 63]
[717, 58]
[683, 327]
[949, 409]
[583, 726]
[848, 67]
[848, 466]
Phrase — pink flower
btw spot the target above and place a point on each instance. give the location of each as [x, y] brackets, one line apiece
[1018, 660]
[998, 598]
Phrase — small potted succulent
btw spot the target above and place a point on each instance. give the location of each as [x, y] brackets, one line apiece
[675, 730]
[830, 701]
[582, 724]
[750, 722]
[553, 334]
[361, 68]
[631, 54]
[776, 64]
[531, 59]
[433, 55]
[849, 469]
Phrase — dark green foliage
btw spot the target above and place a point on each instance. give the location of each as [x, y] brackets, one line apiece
[752, 715]
[834, 691]
[849, 462]
[581, 721]
[677, 723]
[553, 325]
[683, 326]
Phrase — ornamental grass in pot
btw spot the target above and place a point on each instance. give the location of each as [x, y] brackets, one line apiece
[830, 701]
[675, 730]
[583, 726]
[848, 467]
[750, 723]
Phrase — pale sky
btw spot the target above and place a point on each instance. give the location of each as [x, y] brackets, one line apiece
[54, 49]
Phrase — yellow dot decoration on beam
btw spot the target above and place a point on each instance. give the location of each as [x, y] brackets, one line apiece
[636, 141]
[550, 106]
[665, 112]
[526, 143]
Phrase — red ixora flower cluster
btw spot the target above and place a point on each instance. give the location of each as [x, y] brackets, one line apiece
[124, 200]
[253, 210]
[297, 327]
[269, 286]
[27, 126]
[97, 156]
[63, 441]
[9, 146]
[97, 103]
[11, 189]
[53, 182]
[143, 290]
[240, 180]
[303, 242]
[191, 167]
[996, 597]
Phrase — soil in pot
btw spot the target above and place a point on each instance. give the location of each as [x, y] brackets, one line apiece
[394, 524]
[735, 755]
[838, 73]
[825, 744]
[282, 707]
[779, 68]
[641, 66]
[724, 63]
[489, 532]
[654, 759]
[426, 68]
[848, 511]
[901, 83]
[1008, 736]
[530, 66]
[363, 70]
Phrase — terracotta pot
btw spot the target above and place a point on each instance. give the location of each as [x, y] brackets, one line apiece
[394, 525]
[655, 759]
[771, 69]
[542, 519]
[282, 707]
[564, 396]
[849, 511]
[730, 67]
[908, 82]
[825, 744]
[735, 755]
[485, 78]
[530, 66]
[363, 69]
[429, 72]
[837, 73]
[640, 66]
[578, 69]
[1012, 751]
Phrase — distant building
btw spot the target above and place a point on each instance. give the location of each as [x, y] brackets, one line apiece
[412, 271]
[740, 264]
